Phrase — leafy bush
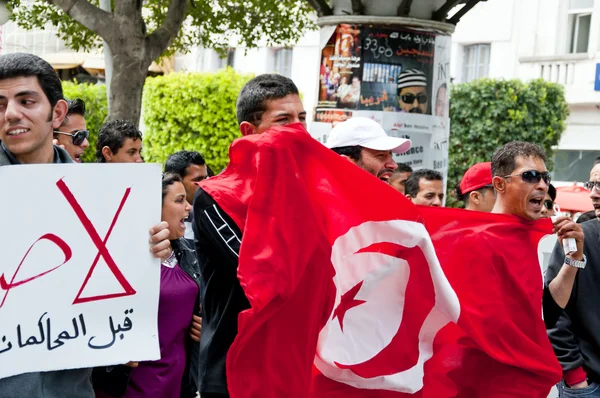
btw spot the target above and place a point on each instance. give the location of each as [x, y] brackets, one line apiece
[96, 110]
[486, 114]
[192, 111]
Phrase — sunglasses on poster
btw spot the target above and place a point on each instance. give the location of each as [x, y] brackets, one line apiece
[533, 176]
[410, 98]
[591, 185]
[78, 136]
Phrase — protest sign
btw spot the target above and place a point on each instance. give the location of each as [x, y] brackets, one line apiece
[78, 285]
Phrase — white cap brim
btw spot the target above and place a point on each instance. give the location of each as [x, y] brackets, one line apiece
[394, 144]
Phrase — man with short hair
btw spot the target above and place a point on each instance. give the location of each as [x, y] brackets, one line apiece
[31, 108]
[265, 101]
[399, 177]
[72, 134]
[426, 188]
[365, 143]
[269, 100]
[476, 189]
[412, 91]
[576, 335]
[119, 141]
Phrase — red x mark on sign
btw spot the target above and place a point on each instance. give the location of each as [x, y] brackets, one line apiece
[98, 242]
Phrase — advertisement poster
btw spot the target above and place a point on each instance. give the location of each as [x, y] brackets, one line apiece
[396, 76]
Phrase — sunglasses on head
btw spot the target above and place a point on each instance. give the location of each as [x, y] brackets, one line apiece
[548, 204]
[591, 185]
[78, 136]
[410, 98]
[533, 176]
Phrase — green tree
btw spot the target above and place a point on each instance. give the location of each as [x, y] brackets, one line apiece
[139, 32]
[96, 110]
[486, 114]
[192, 111]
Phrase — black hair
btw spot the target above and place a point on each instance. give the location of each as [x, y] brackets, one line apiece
[353, 152]
[168, 179]
[596, 161]
[75, 107]
[587, 216]
[552, 192]
[26, 65]
[113, 134]
[403, 168]
[412, 183]
[252, 101]
[504, 158]
[179, 161]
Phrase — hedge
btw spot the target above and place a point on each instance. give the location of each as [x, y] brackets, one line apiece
[485, 114]
[191, 111]
[96, 110]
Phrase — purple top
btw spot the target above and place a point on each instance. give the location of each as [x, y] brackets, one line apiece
[162, 378]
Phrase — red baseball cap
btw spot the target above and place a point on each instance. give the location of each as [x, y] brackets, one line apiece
[478, 176]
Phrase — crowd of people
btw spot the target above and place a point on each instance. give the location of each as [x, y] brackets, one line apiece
[198, 244]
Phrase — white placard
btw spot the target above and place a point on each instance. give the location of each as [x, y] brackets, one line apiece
[78, 285]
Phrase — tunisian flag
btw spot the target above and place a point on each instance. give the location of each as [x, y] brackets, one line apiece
[355, 292]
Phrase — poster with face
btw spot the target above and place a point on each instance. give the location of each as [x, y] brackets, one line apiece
[340, 76]
[397, 76]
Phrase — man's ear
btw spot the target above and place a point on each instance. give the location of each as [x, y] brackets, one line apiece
[107, 153]
[499, 184]
[59, 113]
[349, 158]
[247, 128]
[475, 197]
[409, 197]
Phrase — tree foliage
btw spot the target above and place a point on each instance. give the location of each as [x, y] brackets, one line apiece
[486, 114]
[192, 111]
[208, 23]
[96, 110]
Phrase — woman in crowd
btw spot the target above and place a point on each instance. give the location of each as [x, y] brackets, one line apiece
[178, 301]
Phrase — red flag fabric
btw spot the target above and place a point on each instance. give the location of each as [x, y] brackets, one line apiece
[349, 296]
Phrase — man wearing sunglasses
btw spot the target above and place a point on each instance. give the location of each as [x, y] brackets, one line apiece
[576, 336]
[548, 209]
[412, 91]
[72, 134]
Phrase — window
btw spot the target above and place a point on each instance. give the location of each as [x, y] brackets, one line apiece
[580, 18]
[476, 62]
[573, 165]
[228, 60]
[282, 61]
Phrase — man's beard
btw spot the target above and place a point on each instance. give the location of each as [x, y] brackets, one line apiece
[416, 110]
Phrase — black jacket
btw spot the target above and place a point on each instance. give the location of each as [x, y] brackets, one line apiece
[114, 380]
[576, 335]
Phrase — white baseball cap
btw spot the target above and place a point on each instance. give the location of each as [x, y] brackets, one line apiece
[366, 133]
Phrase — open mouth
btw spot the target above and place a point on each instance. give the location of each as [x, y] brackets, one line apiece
[537, 203]
[77, 158]
[385, 176]
[182, 223]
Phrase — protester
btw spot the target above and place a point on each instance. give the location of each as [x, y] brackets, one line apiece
[476, 189]
[31, 108]
[72, 134]
[426, 188]
[179, 288]
[265, 101]
[398, 178]
[119, 141]
[576, 336]
[192, 169]
[548, 209]
[365, 143]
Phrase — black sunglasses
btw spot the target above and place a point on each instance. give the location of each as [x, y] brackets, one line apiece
[591, 185]
[548, 204]
[410, 98]
[78, 136]
[533, 176]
